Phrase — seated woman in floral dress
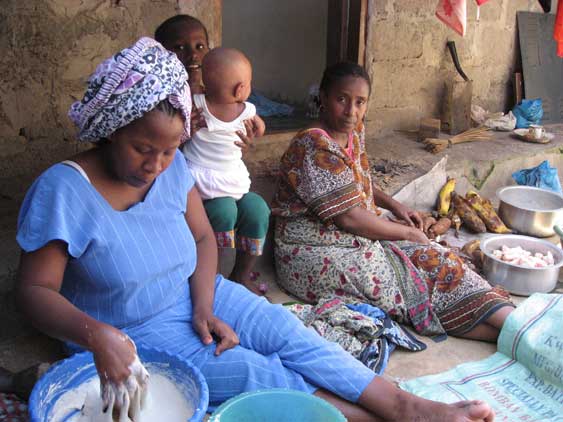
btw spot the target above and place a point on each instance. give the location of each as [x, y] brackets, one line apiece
[331, 242]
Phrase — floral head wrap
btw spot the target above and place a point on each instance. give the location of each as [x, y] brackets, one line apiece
[126, 86]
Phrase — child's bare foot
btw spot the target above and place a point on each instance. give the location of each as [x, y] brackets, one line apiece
[254, 286]
[251, 282]
[259, 289]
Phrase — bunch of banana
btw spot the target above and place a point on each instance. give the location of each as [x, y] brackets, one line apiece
[470, 247]
[487, 213]
[467, 214]
[445, 197]
[472, 250]
[456, 221]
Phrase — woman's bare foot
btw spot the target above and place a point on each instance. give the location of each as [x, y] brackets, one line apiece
[388, 403]
[463, 411]
[475, 410]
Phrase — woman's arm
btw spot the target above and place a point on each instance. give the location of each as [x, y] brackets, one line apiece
[202, 281]
[39, 281]
[381, 199]
[364, 223]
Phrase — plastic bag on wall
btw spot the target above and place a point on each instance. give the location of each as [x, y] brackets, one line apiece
[495, 121]
[543, 176]
[454, 13]
[528, 112]
[504, 122]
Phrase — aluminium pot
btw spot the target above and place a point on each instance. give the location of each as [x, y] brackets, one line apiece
[530, 211]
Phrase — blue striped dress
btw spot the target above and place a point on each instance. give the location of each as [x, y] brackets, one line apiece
[131, 269]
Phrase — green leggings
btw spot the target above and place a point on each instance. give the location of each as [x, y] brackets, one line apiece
[248, 217]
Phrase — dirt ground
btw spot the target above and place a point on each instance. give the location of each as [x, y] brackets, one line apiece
[396, 160]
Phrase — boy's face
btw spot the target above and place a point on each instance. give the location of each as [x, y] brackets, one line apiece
[189, 42]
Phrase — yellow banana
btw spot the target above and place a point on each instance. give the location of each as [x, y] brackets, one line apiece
[469, 217]
[471, 247]
[445, 197]
[486, 212]
[456, 221]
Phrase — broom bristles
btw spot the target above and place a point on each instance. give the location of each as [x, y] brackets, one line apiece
[436, 145]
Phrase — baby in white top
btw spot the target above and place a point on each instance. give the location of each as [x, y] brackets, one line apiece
[214, 158]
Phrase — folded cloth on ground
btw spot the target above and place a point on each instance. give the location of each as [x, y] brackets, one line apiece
[365, 331]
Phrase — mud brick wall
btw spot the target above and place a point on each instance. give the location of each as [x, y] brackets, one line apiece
[48, 50]
[407, 58]
[49, 47]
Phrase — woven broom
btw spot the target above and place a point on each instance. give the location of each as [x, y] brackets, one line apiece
[435, 145]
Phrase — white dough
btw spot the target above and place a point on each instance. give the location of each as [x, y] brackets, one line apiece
[165, 402]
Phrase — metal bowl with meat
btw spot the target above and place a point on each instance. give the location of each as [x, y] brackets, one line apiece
[514, 270]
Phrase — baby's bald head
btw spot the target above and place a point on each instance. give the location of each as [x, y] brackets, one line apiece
[224, 69]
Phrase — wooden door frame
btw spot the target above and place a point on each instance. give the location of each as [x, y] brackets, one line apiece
[346, 31]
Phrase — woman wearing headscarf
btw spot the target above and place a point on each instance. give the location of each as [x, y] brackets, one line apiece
[118, 252]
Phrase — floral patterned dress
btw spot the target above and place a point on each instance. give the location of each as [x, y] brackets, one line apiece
[428, 287]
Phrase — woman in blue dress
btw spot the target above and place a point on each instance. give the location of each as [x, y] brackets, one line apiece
[117, 251]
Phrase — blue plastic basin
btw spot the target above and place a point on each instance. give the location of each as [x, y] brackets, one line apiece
[72, 372]
[276, 405]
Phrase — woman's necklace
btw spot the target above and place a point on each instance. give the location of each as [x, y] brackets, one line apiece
[341, 139]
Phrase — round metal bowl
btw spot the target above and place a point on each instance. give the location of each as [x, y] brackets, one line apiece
[528, 210]
[518, 279]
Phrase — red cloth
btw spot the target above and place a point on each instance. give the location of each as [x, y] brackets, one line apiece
[558, 28]
[454, 13]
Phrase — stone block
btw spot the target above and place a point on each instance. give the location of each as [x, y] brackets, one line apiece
[209, 12]
[380, 9]
[86, 53]
[491, 11]
[404, 84]
[23, 106]
[414, 8]
[495, 46]
[152, 16]
[434, 43]
[380, 120]
[395, 40]
[12, 145]
[68, 8]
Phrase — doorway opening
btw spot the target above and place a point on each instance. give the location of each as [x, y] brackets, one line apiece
[289, 43]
